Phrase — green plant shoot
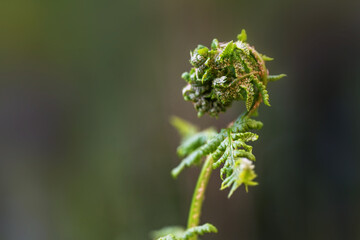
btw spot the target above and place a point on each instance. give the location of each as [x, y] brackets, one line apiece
[225, 72]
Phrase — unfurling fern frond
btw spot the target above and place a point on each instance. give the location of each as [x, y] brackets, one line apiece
[192, 145]
[226, 148]
[227, 72]
[241, 172]
[191, 232]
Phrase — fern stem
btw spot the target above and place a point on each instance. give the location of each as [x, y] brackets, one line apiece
[199, 194]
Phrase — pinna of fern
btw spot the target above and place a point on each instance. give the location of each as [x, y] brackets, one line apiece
[228, 148]
[221, 74]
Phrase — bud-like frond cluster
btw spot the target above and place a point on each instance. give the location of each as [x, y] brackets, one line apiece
[226, 72]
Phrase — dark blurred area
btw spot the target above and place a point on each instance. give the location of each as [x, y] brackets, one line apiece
[87, 89]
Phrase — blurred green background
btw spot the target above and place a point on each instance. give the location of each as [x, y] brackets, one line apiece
[87, 89]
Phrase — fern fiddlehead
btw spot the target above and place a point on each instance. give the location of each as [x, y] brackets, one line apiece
[227, 72]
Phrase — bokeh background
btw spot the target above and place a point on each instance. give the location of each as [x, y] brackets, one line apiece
[87, 89]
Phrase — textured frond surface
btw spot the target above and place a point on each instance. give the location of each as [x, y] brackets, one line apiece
[193, 147]
[241, 172]
[228, 148]
[199, 230]
[227, 72]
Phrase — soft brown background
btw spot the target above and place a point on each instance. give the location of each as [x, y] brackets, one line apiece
[86, 91]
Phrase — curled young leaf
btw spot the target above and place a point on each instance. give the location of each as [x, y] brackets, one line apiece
[229, 71]
[222, 74]
[242, 173]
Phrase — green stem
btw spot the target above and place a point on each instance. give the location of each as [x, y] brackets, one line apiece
[199, 194]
